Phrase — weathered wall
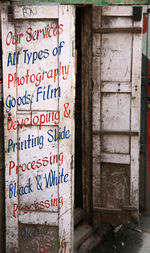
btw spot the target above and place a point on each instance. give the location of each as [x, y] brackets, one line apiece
[95, 2]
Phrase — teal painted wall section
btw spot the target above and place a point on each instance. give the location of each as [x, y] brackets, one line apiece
[95, 2]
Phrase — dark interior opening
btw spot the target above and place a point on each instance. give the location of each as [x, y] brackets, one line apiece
[78, 116]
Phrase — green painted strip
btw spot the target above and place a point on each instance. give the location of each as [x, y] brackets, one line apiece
[95, 2]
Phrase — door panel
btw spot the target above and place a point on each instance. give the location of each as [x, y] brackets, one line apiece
[116, 114]
[39, 84]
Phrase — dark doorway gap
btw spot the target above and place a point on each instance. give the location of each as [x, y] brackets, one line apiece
[78, 117]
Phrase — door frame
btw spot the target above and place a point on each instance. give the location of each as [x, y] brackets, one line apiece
[86, 84]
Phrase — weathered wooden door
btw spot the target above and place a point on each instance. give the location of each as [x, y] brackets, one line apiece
[116, 112]
[39, 84]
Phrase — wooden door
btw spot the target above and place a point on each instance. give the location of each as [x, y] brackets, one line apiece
[116, 113]
[39, 84]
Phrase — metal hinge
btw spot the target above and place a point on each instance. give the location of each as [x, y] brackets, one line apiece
[137, 13]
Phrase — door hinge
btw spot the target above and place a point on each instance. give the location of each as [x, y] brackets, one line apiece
[137, 13]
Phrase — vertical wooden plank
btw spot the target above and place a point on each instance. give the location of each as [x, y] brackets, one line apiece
[67, 57]
[11, 224]
[96, 96]
[135, 119]
[86, 37]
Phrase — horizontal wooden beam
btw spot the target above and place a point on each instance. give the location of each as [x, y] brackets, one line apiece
[107, 209]
[110, 132]
[119, 30]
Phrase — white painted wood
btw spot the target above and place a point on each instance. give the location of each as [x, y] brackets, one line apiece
[66, 227]
[116, 22]
[116, 87]
[96, 104]
[113, 47]
[39, 93]
[116, 108]
[113, 144]
[50, 219]
[11, 224]
[96, 170]
[115, 111]
[115, 158]
[36, 12]
[117, 11]
[135, 117]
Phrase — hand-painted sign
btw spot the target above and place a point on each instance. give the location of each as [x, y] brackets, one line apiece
[39, 97]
